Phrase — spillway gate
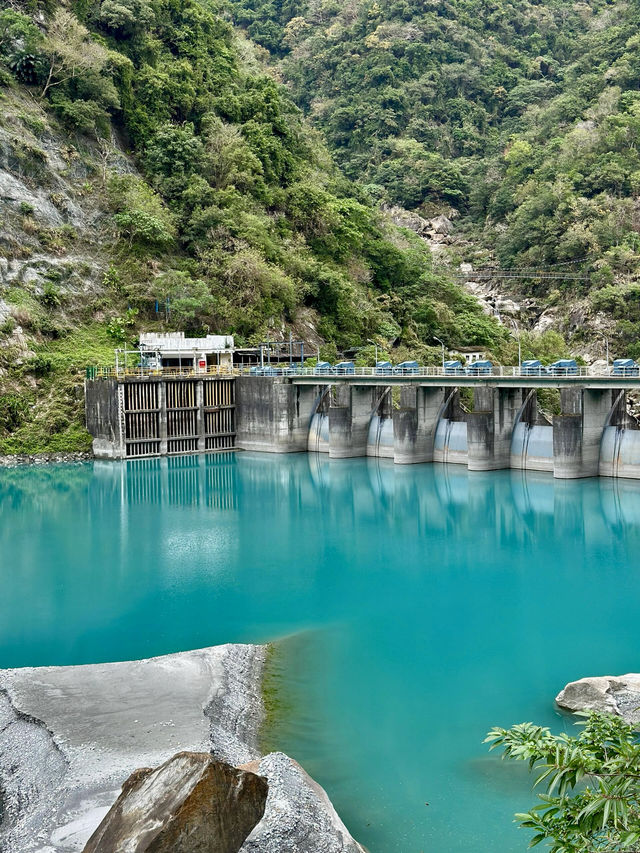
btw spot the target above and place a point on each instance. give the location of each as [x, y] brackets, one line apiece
[135, 417]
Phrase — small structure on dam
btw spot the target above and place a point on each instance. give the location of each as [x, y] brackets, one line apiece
[164, 350]
[408, 418]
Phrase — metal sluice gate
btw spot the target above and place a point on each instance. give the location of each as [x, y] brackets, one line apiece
[163, 416]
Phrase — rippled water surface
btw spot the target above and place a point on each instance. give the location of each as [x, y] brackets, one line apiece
[421, 605]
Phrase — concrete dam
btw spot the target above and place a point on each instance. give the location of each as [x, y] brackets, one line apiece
[409, 419]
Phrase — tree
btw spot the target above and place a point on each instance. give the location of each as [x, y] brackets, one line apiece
[70, 51]
[592, 803]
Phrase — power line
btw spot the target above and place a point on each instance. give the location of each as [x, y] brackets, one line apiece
[522, 272]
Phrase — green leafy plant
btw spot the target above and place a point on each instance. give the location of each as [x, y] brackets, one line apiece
[118, 327]
[592, 782]
[50, 296]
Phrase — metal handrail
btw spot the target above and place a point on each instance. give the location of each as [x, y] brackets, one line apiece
[423, 371]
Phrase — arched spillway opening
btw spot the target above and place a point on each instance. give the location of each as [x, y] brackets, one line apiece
[451, 433]
[532, 439]
[620, 444]
[318, 441]
[380, 435]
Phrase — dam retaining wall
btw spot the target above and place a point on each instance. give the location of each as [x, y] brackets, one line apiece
[591, 435]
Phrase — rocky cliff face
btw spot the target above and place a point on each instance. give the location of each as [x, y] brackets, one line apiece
[53, 258]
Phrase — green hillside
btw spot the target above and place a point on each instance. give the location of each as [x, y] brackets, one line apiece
[154, 175]
[522, 115]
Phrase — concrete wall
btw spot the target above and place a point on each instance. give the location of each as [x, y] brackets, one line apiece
[349, 418]
[578, 431]
[415, 423]
[620, 453]
[490, 427]
[380, 437]
[319, 433]
[380, 434]
[451, 442]
[532, 447]
[272, 415]
[101, 409]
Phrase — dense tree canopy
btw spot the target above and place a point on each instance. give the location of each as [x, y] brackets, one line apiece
[522, 115]
[238, 201]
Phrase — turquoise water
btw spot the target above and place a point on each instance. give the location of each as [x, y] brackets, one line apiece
[422, 605]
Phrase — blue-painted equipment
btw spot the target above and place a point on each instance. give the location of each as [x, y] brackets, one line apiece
[483, 367]
[344, 368]
[453, 368]
[625, 367]
[407, 367]
[563, 367]
[532, 367]
[384, 367]
[323, 368]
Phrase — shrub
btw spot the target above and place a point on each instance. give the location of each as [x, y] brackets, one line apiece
[50, 296]
[13, 410]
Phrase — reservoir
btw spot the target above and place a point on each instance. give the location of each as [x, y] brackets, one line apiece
[416, 605]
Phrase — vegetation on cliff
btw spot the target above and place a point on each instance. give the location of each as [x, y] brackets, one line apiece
[522, 115]
[228, 215]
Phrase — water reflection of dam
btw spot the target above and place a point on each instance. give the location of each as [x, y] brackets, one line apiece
[519, 504]
[496, 426]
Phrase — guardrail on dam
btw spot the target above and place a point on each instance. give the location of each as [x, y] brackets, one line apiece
[410, 419]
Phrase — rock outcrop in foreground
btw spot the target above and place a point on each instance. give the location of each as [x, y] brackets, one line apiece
[71, 736]
[295, 800]
[615, 694]
[190, 804]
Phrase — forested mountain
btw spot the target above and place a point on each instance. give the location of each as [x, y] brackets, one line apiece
[523, 115]
[154, 176]
[161, 170]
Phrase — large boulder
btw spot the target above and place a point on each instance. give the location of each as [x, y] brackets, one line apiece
[613, 694]
[299, 817]
[190, 804]
[441, 225]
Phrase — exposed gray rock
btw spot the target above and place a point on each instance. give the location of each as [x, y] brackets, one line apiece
[299, 817]
[190, 804]
[13, 460]
[70, 737]
[74, 734]
[614, 694]
[441, 225]
[15, 192]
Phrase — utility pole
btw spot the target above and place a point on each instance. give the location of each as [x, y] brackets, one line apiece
[442, 345]
[517, 336]
[606, 341]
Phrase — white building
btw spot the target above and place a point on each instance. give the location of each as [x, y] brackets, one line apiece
[472, 354]
[173, 349]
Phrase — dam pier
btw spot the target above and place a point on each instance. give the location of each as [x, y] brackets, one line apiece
[408, 418]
